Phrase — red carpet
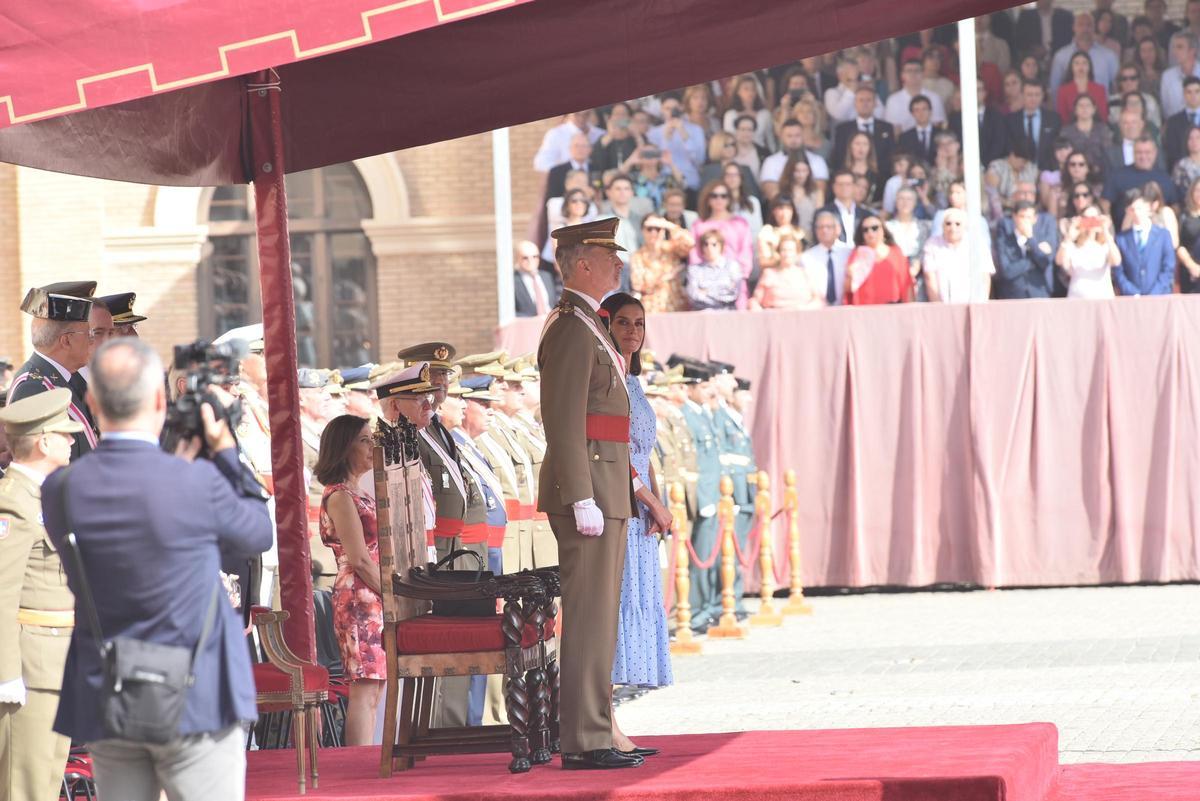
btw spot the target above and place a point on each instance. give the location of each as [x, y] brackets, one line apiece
[976, 763]
[1148, 781]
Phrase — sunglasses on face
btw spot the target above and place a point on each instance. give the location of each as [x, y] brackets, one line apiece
[954, 223]
[1081, 194]
[719, 196]
[1129, 77]
[1076, 163]
[871, 227]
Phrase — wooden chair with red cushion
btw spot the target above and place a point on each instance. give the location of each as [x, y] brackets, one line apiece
[288, 683]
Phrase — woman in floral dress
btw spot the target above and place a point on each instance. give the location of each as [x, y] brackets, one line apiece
[348, 527]
[643, 656]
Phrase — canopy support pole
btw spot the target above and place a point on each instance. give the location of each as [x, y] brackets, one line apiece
[279, 337]
[970, 145]
[502, 202]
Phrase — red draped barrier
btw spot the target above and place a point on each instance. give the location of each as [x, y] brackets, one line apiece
[1004, 444]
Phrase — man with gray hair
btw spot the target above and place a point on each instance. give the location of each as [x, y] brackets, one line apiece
[1170, 88]
[152, 546]
[61, 346]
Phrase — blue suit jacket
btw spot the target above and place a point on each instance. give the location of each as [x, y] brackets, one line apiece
[1149, 271]
[1027, 273]
[153, 530]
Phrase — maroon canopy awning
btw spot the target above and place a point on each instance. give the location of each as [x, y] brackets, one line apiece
[354, 86]
[211, 92]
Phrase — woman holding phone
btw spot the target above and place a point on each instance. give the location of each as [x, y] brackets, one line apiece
[1088, 254]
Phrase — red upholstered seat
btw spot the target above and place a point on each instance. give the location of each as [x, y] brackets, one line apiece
[433, 634]
[270, 679]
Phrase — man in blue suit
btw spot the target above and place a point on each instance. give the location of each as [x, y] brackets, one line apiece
[1025, 256]
[152, 545]
[1147, 256]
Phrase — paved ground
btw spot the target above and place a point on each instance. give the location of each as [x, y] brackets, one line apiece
[1116, 669]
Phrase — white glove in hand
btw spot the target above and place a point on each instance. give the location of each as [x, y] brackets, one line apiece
[12, 692]
[588, 518]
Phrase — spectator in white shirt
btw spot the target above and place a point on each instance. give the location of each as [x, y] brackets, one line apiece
[896, 111]
[839, 101]
[1183, 52]
[791, 141]
[1104, 61]
[825, 262]
[556, 144]
[747, 100]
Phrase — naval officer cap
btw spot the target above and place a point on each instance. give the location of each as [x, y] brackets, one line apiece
[65, 301]
[412, 380]
[120, 306]
[43, 413]
[601, 233]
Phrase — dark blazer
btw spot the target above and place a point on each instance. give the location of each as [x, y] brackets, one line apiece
[884, 136]
[993, 136]
[908, 142]
[556, 179]
[860, 211]
[32, 377]
[1051, 124]
[1114, 158]
[1028, 272]
[525, 305]
[1174, 138]
[1148, 271]
[1028, 33]
[152, 543]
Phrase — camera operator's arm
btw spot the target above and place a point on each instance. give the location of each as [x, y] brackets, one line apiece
[237, 501]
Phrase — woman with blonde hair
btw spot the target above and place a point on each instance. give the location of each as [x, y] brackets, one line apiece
[698, 108]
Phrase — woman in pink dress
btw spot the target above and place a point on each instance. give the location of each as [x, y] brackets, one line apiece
[739, 241]
[349, 528]
[786, 286]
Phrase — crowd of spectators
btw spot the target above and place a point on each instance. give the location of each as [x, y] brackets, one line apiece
[839, 179]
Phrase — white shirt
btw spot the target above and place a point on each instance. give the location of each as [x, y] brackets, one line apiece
[951, 266]
[772, 166]
[839, 102]
[591, 302]
[32, 475]
[846, 213]
[815, 263]
[1127, 151]
[1170, 89]
[896, 111]
[556, 145]
[64, 372]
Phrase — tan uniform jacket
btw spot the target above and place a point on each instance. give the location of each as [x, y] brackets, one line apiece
[31, 578]
[452, 503]
[685, 452]
[579, 378]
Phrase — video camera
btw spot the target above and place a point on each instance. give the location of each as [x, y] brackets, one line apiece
[204, 364]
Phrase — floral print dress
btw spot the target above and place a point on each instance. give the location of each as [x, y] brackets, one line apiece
[357, 609]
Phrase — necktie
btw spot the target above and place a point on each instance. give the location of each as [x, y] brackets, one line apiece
[924, 145]
[540, 300]
[1141, 238]
[830, 281]
[867, 128]
[1195, 115]
[1029, 129]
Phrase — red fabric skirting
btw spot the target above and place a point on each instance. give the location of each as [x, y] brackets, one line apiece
[433, 634]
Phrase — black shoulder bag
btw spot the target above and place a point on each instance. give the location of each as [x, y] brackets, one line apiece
[145, 683]
[475, 607]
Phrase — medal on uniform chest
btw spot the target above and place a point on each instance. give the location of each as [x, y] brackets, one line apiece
[445, 480]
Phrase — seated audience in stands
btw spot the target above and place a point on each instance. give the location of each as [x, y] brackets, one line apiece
[658, 268]
[844, 205]
[954, 272]
[1088, 255]
[876, 272]
[787, 285]
[715, 281]
[1135, 176]
[826, 260]
[1147, 265]
[1188, 252]
[736, 239]
[1025, 267]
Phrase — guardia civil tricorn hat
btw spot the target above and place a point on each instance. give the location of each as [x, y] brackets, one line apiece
[602, 233]
[65, 301]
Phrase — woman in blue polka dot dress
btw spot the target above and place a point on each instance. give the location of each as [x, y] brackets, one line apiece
[643, 648]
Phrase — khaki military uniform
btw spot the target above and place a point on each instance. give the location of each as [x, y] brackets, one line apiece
[36, 620]
[581, 380]
[683, 461]
[533, 439]
[502, 446]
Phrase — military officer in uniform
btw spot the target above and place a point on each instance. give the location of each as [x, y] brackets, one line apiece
[36, 608]
[586, 486]
[61, 346]
[705, 594]
[737, 462]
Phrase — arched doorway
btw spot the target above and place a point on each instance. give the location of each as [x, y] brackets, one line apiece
[333, 267]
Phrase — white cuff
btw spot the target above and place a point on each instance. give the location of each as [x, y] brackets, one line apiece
[12, 692]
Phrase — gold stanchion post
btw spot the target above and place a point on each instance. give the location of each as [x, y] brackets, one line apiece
[796, 604]
[728, 626]
[683, 644]
[767, 614]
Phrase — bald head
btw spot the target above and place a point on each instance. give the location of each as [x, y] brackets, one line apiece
[126, 389]
[528, 256]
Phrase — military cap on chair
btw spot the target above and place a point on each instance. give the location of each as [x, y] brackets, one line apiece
[602, 233]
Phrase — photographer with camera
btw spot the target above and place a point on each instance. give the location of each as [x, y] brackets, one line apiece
[684, 139]
[150, 548]
[1088, 254]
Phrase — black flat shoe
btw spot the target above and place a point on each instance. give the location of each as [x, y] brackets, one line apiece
[642, 752]
[600, 759]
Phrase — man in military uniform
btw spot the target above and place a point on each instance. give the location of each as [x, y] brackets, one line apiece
[61, 346]
[737, 461]
[124, 318]
[586, 487]
[36, 608]
[705, 596]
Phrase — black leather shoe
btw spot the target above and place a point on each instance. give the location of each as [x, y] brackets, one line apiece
[600, 759]
[642, 752]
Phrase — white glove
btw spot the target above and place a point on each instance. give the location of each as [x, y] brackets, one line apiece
[588, 518]
[12, 692]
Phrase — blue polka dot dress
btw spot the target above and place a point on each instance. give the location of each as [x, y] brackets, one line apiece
[643, 646]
